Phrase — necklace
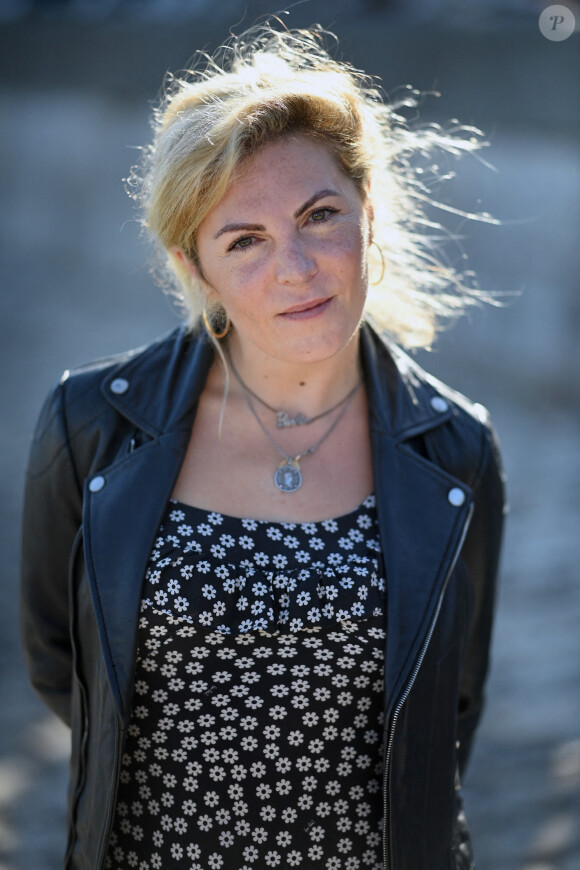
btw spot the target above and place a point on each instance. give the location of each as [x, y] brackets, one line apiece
[288, 476]
[283, 418]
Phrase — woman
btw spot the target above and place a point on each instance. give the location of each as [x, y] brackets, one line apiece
[260, 554]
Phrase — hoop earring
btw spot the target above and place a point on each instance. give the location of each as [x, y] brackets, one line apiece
[382, 275]
[226, 328]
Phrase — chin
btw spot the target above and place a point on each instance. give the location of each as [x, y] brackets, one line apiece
[315, 349]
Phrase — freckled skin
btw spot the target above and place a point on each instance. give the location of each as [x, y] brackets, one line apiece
[294, 259]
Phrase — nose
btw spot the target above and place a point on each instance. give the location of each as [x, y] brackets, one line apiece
[295, 263]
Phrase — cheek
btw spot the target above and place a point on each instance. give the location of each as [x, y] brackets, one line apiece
[235, 282]
[348, 252]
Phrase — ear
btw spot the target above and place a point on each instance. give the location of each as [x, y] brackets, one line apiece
[186, 263]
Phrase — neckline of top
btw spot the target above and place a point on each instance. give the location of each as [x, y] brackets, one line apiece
[368, 503]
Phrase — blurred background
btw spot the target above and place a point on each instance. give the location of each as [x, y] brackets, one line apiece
[77, 81]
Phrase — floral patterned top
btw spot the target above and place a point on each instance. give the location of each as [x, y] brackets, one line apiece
[256, 733]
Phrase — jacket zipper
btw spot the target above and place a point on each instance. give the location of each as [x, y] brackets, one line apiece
[405, 695]
[112, 804]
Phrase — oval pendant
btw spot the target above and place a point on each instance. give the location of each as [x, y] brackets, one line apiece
[288, 477]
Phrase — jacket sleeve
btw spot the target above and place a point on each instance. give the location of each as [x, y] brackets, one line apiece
[51, 521]
[481, 556]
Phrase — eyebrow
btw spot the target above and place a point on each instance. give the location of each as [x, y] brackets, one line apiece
[235, 228]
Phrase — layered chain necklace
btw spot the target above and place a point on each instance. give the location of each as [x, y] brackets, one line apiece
[288, 474]
[283, 418]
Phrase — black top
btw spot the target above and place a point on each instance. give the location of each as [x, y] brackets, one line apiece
[256, 733]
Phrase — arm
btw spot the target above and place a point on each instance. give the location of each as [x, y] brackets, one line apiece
[481, 556]
[51, 520]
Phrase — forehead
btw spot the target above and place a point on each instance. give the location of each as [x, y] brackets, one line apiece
[284, 171]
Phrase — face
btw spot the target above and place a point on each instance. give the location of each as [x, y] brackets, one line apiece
[285, 252]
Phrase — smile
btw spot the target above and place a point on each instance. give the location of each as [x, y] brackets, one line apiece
[307, 310]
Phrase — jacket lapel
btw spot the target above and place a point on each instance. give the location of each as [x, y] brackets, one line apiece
[121, 519]
[420, 534]
[414, 511]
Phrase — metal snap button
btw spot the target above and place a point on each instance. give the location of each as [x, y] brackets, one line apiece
[456, 496]
[438, 403]
[119, 386]
[97, 483]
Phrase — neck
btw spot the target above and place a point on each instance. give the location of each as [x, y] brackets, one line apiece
[308, 388]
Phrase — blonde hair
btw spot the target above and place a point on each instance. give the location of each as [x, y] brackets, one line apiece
[270, 83]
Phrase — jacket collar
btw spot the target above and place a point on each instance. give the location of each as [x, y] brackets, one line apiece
[158, 389]
[404, 400]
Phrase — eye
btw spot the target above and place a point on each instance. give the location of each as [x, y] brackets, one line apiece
[242, 242]
[320, 215]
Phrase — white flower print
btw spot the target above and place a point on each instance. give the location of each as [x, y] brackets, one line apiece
[204, 529]
[184, 530]
[277, 712]
[282, 739]
[283, 765]
[192, 547]
[222, 572]
[271, 750]
[250, 525]
[271, 732]
[330, 525]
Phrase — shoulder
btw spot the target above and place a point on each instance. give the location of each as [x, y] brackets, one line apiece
[466, 443]
[89, 378]
[426, 414]
[80, 404]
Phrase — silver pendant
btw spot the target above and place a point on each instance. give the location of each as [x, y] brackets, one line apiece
[288, 477]
[283, 419]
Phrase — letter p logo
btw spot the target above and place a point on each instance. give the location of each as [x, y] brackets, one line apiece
[557, 23]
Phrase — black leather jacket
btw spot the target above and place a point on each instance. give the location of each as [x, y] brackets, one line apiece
[108, 447]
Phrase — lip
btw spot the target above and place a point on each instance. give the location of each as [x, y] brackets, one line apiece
[306, 310]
